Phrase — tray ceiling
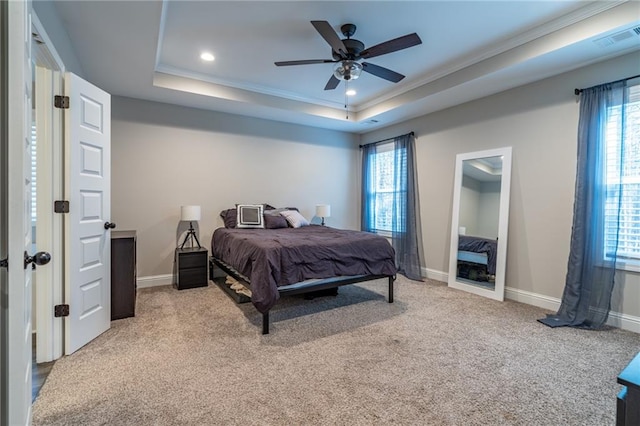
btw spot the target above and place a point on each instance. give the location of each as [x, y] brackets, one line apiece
[151, 50]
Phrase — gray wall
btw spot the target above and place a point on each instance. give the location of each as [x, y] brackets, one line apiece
[479, 207]
[489, 210]
[539, 121]
[469, 200]
[48, 16]
[164, 156]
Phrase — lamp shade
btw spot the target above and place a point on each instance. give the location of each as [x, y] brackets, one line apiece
[189, 213]
[323, 210]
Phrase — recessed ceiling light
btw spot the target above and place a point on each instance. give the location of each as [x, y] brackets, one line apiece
[206, 56]
[350, 92]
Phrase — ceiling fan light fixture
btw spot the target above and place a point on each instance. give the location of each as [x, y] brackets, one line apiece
[347, 70]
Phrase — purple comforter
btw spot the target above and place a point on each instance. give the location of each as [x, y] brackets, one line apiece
[277, 257]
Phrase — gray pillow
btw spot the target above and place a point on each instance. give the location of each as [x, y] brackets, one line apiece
[274, 221]
[229, 217]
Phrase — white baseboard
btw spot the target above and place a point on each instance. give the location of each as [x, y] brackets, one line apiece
[535, 299]
[624, 321]
[616, 319]
[432, 274]
[155, 281]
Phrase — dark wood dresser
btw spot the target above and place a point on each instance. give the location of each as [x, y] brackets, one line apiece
[123, 274]
[628, 408]
[191, 267]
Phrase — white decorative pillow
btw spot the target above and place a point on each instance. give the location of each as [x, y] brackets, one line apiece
[295, 219]
[249, 216]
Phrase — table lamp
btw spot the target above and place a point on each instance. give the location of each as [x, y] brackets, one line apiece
[190, 213]
[323, 210]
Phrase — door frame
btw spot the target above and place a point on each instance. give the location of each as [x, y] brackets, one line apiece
[50, 164]
[15, 383]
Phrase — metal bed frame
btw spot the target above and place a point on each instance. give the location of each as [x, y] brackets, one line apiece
[294, 289]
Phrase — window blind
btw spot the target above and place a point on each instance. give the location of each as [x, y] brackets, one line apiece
[623, 178]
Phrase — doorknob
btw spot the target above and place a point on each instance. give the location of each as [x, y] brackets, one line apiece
[40, 258]
[109, 225]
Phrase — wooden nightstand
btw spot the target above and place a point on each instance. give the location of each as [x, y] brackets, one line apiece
[191, 268]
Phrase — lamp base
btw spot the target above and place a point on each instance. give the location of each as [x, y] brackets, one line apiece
[191, 235]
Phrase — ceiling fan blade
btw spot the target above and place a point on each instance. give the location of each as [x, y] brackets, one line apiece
[382, 72]
[332, 83]
[327, 32]
[304, 62]
[391, 46]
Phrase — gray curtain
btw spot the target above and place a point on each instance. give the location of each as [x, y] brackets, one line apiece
[592, 260]
[405, 229]
[405, 234]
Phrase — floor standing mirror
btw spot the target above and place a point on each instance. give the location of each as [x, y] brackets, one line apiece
[480, 222]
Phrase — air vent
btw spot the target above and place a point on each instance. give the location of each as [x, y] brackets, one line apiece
[618, 37]
[372, 121]
[603, 42]
[622, 36]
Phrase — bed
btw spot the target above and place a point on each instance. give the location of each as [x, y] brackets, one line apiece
[275, 262]
[477, 251]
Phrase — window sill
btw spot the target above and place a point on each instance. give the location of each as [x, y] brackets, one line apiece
[628, 267]
[621, 265]
[386, 234]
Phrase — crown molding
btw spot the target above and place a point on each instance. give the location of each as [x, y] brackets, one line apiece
[178, 72]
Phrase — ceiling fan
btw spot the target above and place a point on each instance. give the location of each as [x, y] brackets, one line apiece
[348, 52]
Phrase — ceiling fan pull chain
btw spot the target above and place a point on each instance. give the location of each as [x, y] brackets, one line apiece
[346, 98]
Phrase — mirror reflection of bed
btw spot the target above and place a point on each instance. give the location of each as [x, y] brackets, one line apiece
[481, 196]
[477, 260]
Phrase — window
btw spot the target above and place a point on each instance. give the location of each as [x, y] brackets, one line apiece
[622, 176]
[386, 191]
[389, 199]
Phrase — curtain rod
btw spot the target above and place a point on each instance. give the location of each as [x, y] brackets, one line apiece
[578, 91]
[388, 139]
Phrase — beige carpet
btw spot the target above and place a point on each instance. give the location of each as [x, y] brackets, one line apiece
[436, 356]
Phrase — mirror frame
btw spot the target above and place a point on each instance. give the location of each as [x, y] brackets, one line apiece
[503, 224]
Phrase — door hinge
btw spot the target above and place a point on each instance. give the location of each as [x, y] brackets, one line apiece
[61, 311]
[4, 263]
[61, 206]
[61, 101]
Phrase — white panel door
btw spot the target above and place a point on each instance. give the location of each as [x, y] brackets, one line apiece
[87, 188]
[16, 387]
